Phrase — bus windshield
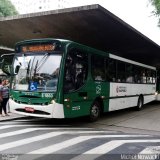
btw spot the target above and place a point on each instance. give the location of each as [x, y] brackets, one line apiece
[36, 71]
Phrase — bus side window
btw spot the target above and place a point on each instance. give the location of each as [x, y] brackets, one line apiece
[121, 72]
[153, 76]
[76, 70]
[81, 69]
[98, 69]
[69, 84]
[111, 70]
[149, 76]
[143, 76]
[137, 74]
[129, 73]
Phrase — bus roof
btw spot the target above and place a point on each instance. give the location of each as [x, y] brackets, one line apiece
[85, 47]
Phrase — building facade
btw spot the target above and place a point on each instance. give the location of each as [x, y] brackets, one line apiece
[32, 6]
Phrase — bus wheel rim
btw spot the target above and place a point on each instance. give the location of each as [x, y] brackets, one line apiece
[95, 111]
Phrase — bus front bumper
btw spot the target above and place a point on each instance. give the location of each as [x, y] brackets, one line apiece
[54, 110]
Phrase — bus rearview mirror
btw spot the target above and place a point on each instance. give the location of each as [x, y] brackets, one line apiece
[17, 69]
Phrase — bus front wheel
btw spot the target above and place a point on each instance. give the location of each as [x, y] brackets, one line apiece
[94, 112]
[139, 103]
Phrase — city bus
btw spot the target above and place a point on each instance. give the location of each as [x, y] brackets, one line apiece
[56, 78]
[158, 85]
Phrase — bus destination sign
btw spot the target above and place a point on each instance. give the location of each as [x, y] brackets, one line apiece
[38, 48]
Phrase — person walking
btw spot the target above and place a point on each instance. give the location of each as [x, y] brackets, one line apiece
[7, 105]
[4, 96]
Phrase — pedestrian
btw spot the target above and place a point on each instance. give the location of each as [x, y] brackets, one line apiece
[4, 96]
[8, 85]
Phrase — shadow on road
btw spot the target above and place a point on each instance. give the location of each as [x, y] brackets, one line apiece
[81, 121]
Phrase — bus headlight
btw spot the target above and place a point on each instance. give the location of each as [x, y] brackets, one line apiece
[53, 102]
[156, 93]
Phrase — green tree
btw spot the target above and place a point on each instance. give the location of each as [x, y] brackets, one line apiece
[156, 4]
[7, 8]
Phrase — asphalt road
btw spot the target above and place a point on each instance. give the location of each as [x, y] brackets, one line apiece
[146, 121]
[117, 135]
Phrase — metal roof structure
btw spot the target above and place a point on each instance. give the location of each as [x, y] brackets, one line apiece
[5, 50]
[91, 25]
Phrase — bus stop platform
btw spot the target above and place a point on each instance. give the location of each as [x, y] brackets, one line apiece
[12, 116]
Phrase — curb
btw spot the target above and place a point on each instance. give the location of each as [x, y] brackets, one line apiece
[11, 117]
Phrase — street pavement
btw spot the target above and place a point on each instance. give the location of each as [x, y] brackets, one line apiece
[24, 140]
[38, 138]
[11, 116]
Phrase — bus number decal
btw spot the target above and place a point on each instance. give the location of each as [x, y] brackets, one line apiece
[47, 95]
[76, 108]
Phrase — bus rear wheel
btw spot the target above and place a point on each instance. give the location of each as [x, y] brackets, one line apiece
[139, 103]
[94, 112]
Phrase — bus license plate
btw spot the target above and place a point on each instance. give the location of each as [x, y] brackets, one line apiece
[29, 109]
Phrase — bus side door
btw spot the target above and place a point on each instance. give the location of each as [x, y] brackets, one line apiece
[75, 91]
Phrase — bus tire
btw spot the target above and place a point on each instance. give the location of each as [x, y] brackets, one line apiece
[139, 103]
[94, 112]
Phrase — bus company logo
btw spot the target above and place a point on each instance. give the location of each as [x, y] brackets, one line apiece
[121, 89]
[98, 89]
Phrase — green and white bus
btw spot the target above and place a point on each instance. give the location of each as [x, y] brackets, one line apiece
[62, 79]
[158, 85]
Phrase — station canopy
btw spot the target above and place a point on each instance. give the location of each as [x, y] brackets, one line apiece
[90, 25]
[5, 50]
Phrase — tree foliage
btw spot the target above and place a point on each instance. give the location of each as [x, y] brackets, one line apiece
[7, 8]
[156, 3]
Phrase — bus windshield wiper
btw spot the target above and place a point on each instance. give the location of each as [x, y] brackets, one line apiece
[38, 65]
[42, 61]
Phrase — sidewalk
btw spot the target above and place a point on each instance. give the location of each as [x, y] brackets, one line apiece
[11, 116]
